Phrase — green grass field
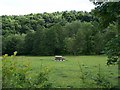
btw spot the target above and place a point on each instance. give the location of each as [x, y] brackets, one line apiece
[67, 73]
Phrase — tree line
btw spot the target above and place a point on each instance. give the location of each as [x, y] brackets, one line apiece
[58, 33]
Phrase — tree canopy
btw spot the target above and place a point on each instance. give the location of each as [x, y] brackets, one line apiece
[109, 12]
[58, 33]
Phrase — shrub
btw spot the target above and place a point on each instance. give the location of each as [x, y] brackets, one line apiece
[16, 74]
[90, 80]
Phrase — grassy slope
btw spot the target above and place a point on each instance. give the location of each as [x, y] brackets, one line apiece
[67, 73]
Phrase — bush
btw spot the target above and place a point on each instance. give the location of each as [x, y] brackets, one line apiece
[94, 81]
[16, 74]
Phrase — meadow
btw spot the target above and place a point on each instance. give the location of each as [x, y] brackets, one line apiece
[75, 71]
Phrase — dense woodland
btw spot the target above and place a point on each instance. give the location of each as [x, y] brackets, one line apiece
[58, 33]
[64, 33]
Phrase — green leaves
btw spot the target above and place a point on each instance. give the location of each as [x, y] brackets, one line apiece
[108, 12]
[18, 74]
[113, 50]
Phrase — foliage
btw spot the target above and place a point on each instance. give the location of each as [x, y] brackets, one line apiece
[25, 23]
[28, 46]
[76, 38]
[107, 13]
[17, 74]
[38, 43]
[12, 43]
[113, 50]
[58, 33]
[99, 80]
[69, 45]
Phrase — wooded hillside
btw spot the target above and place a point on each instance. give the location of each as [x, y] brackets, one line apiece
[66, 33]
